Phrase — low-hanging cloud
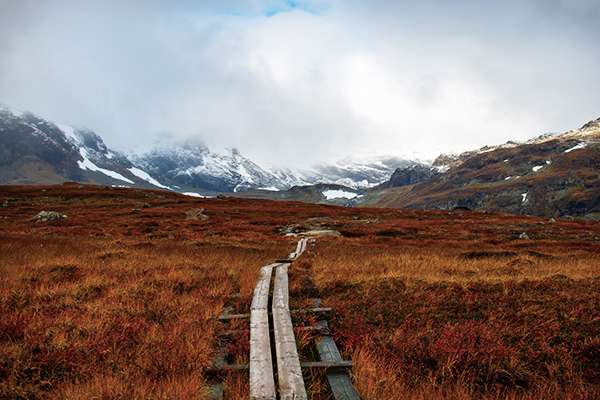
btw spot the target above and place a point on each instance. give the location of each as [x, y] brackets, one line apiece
[314, 80]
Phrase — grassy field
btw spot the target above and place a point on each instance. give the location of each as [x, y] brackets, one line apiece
[120, 300]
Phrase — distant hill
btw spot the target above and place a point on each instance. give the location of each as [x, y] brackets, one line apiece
[552, 175]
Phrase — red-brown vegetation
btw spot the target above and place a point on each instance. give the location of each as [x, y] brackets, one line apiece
[120, 300]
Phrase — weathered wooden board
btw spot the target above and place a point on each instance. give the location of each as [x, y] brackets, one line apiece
[262, 382]
[322, 310]
[233, 316]
[291, 383]
[328, 365]
[215, 389]
[261, 290]
[300, 247]
[340, 382]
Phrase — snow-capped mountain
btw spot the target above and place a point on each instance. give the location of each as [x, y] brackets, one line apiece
[358, 172]
[34, 150]
[192, 163]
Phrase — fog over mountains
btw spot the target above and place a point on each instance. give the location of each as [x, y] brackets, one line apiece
[38, 151]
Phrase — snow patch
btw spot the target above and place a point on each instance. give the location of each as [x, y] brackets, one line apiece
[538, 167]
[69, 132]
[337, 194]
[193, 194]
[87, 164]
[524, 195]
[145, 176]
[442, 169]
[507, 178]
[579, 146]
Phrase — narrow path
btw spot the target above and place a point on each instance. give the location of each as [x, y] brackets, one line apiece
[289, 372]
[290, 382]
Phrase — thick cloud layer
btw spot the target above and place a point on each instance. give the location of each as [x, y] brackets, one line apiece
[305, 80]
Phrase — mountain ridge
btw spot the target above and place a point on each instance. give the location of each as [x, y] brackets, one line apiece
[551, 175]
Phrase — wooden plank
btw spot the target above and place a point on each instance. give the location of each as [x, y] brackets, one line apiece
[215, 389]
[291, 383]
[227, 368]
[233, 316]
[298, 248]
[261, 290]
[328, 365]
[323, 310]
[339, 382]
[310, 328]
[342, 365]
[301, 246]
[262, 382]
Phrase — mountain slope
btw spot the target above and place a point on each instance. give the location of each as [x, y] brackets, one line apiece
[193, 164]
[321, 193]
[552, 175]
[34, 150]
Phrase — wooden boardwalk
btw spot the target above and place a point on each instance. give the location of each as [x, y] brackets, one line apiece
[286, 367]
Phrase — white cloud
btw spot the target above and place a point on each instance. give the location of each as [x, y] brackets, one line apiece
[305, 80]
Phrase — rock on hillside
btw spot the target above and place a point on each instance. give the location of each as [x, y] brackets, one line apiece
[409, 176]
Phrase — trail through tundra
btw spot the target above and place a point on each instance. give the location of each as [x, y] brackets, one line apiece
[288, 367]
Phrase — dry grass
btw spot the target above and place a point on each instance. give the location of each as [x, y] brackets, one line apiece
[341, 260]
[450, 319]
[119, 300]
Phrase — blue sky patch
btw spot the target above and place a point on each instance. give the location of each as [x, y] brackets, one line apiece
[295, 5]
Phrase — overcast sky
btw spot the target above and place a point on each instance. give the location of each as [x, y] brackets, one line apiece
[305, 80]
